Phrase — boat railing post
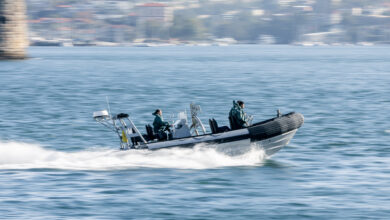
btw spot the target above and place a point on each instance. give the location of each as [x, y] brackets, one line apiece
[117, 132]
[137, 131]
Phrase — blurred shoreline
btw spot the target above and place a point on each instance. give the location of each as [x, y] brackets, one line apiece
[60, 43]
[208, 22]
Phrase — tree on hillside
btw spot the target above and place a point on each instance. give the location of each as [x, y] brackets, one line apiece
[155, 29]
[242, 27]
[186, 28]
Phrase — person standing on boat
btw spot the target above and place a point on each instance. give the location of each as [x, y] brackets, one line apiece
[238, 115]
[159, 125]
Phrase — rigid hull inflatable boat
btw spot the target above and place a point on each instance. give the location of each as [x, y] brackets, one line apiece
[270, 135]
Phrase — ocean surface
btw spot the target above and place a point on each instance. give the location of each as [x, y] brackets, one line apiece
[56, 162]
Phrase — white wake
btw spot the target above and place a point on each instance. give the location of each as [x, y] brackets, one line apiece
[17, 155]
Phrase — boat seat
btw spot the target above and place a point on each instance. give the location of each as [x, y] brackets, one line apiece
[149, 131]
[233, 123]
[214, 127]
[161, 136]
[220, 129]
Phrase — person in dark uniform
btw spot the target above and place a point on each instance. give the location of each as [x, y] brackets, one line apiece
[159, 125]
[238, 115]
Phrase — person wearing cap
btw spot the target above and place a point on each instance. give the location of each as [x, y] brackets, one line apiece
[238, 115]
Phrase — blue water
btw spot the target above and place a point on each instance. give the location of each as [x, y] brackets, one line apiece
[57, 163]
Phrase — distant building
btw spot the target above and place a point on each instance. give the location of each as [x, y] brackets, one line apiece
[153, 12]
